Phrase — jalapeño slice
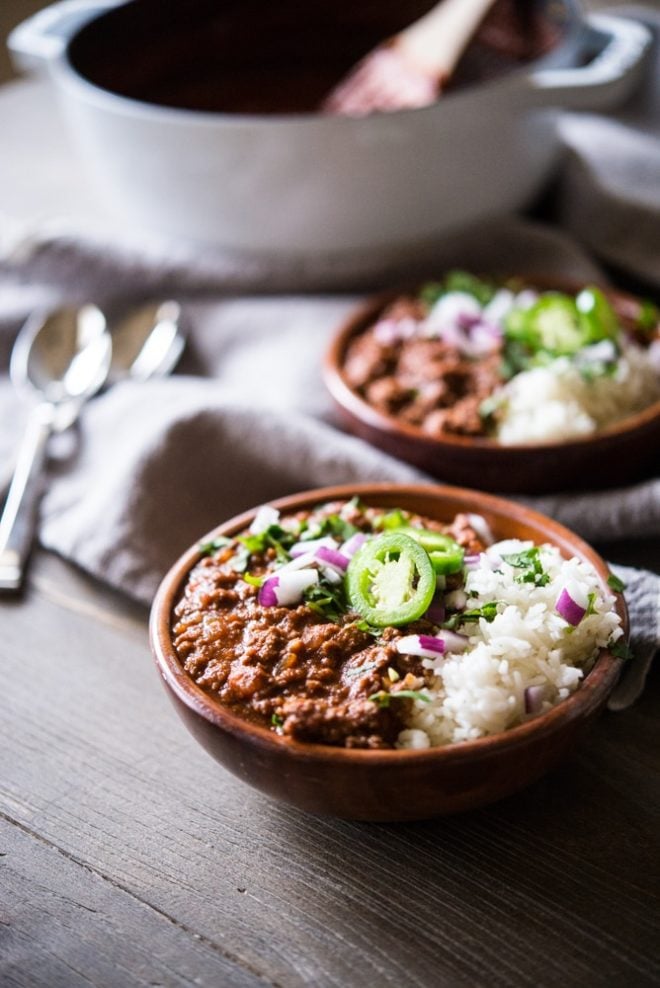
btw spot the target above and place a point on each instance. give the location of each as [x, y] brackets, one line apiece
[390, 580]
[445, 553]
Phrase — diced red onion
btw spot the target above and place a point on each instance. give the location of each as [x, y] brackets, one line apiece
[526, 298]
[568, 607]
[266, 516]
[299, 562]
[267, 596]
[467, 320]
[351, 546]
[337, 560]
[285, 589]
[533, 697]
[484, 338]
[430, 646]
[455, 642]
[432, 643]
[473, 560]
[500, 305]
[311, 545]
[424, 646]
[389, 331]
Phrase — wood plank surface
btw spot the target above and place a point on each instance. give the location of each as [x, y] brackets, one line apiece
[130, 857]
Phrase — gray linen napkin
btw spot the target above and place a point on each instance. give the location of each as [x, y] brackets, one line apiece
[247, 420]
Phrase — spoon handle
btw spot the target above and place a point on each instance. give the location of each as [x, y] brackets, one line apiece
[18, 522]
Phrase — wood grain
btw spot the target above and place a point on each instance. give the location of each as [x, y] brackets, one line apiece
[130, 857]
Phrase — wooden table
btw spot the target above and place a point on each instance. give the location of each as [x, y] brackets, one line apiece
[128, 857]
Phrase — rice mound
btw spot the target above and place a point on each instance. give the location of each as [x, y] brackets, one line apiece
[557, 402]
[528, 644]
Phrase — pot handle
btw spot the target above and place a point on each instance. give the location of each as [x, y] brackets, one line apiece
[619, 46]
[44, 36]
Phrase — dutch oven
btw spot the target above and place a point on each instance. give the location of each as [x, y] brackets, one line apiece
[198, 120]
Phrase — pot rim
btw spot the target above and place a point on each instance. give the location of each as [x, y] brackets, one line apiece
[62, 67]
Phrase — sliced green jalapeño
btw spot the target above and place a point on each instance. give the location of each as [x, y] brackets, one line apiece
[445, 553]
[390, 580]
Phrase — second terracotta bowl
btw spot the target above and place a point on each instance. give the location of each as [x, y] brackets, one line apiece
[619, 455]
[394, 784]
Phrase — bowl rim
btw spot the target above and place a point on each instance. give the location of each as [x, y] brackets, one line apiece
[350, 401]
[589, 696]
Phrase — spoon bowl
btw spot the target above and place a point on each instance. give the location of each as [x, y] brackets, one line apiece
[147, 342]
[59, 360]
[62, 358]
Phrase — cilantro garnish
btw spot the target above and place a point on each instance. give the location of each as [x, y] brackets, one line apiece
[370, 629]
[240, 560]
[530, 563]
[333, 525]
[274, 537]
[615, 583]
[219, 542]
[326, 599]
[384, 697]
[277, 721]
[487, 611]
[621, 650]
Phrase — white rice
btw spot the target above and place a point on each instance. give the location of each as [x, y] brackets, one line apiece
[557, 402]
[482, 690]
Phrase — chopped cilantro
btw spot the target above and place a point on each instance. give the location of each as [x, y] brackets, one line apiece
[615, 583]
[370, 629]
[240, 560]
[274, 537]
[456, 281]
[219, 542]
[462, 281]
[333, 525]
[277, 721]
[530, 563]
[326, 599]
[621, 650]
[383, 698]
[487, 611]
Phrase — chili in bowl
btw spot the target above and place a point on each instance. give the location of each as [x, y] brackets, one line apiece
[505, 384]
[386, 652]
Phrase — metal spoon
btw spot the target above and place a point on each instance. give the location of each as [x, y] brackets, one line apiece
[61, 359]
[146, 342]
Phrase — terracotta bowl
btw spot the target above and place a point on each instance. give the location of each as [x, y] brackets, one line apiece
[622, 454]
[388, 785]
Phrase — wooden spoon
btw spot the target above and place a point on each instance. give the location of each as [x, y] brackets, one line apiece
[410, 69]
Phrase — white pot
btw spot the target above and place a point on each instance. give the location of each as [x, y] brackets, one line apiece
[315, 184]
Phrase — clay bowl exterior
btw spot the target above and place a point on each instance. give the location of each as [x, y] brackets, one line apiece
[621, 454]
[388, 785]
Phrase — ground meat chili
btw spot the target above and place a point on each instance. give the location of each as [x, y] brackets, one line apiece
[440, 358]
[267, 622]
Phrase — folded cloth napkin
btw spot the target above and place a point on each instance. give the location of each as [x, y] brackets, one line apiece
[247, 419]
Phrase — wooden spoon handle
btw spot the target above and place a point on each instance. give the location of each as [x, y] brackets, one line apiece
[436, 41]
